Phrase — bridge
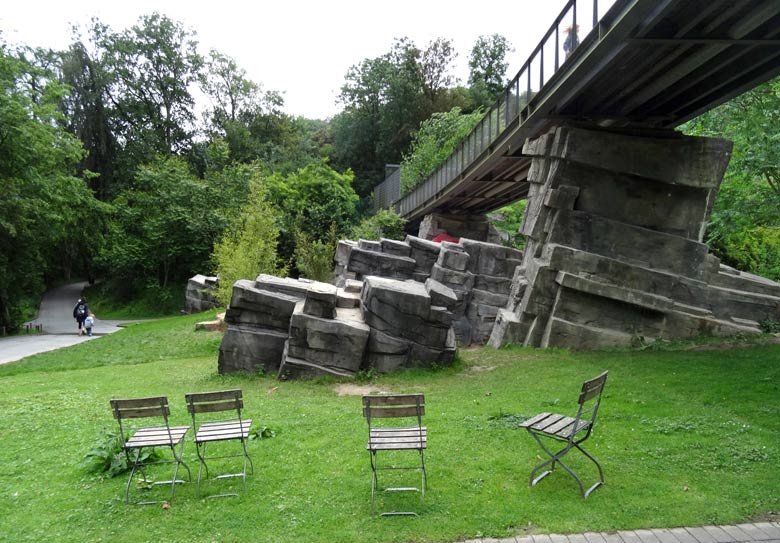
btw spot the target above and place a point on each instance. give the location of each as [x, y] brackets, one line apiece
[639, 64]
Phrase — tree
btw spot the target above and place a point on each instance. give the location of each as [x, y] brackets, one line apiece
[385, 99]
[744, 228]
[248, 246]
[44, 208]
[385, 224]
[166, 223]
[150, 69]
[87, 115]
[487, 68]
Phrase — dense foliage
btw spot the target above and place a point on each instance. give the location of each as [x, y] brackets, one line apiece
[436, 139]
[744, 230]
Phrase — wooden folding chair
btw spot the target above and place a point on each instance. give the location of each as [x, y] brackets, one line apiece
[210, 431]
[395, 438]
[163, 435]
[571, 431]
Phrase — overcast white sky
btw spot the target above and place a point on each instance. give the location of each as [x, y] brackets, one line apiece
[302, 48]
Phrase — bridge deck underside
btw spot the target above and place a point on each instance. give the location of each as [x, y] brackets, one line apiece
[655, 64]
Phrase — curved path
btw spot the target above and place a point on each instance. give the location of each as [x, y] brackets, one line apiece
[55, 316]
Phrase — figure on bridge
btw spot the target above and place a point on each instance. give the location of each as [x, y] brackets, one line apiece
[572, 39]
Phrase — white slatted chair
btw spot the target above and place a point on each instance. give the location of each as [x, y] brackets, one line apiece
[162, 435]
[571, 431]
[384, 410]
[211, 431]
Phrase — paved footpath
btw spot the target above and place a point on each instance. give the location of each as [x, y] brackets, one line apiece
[763, 532]
[55, 316]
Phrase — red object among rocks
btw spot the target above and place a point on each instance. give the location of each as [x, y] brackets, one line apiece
[445, 237]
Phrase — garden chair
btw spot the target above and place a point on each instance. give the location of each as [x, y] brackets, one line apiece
[137, 438]
[383, 436]
[571, 431]
[235, 428]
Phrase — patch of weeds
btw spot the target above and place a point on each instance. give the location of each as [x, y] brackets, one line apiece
[770, 326]
[366, 376]
[506, 420]
[262, 432]
[106, 457]
[551, 403]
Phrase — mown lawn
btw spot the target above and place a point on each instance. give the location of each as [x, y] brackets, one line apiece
[685, 438]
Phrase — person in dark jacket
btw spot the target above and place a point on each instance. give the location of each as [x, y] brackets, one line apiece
[80, 313]
[572, 39]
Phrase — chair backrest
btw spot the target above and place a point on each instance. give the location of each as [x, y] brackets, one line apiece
[214, 402]
[138, 408]
[394, 406]
[590, 398]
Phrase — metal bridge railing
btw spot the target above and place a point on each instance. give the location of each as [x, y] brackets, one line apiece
[577, 20]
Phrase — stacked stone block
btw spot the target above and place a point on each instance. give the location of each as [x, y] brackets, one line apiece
[406, 328]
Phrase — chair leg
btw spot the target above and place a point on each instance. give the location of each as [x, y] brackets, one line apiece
[374, 482]
[179, 461]
[556, 457]
[132, 472]
[202, 463]
[424, 484]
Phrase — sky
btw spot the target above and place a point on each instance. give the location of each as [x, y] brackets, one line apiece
[300, 48]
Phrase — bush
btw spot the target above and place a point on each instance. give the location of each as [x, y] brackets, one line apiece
[313, 257]
[755, 250]
[248, 246]
[385, 224]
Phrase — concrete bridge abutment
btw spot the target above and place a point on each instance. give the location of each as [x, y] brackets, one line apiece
[615, 254]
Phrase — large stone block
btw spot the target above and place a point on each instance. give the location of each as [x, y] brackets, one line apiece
[425, 253]
[457, 281]
[628, 243]
[370, 245]
[251, 305]
[285, 285]
[250, 349]
[321, 301]
[199, 294]
[363, 263]
[395, 247]
[403, 309]
[675, 159]
[333, 343]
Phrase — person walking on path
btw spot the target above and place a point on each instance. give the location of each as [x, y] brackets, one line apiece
[88, 323]
[80, 313]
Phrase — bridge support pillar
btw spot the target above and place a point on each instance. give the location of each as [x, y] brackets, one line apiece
[614, 226]
[474, 227]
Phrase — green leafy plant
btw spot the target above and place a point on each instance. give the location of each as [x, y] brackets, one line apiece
[770, 326]
[262, 432]
[107, 457]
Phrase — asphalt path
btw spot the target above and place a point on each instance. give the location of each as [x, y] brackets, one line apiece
[55, 316]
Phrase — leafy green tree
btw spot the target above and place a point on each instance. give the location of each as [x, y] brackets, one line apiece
[385, 99]
[49, 219]
[434, 142]
[166, 223]
[87, 115]
[312, 199]
[150, 68]
[248, 246]
[487, 68]
[314, 257]
[744, 223]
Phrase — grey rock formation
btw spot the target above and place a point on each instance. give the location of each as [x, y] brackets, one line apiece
[199, 295]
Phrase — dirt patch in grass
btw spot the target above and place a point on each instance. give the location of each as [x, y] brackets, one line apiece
[351, 389]
[479, 369]
[772, 340]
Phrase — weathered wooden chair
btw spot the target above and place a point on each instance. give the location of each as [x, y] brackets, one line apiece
[571, 431]
[211, 431]
[162, 435]
[384, 437]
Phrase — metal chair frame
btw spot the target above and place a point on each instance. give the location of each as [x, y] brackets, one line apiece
[149, 437]
[212, 430]
[572, 431]
[395, 438]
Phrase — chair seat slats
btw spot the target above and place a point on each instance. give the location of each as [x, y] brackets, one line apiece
[221, 431]
[533, 420]
[156, 436]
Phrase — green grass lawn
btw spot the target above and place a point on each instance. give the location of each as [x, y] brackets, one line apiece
[685, 438]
